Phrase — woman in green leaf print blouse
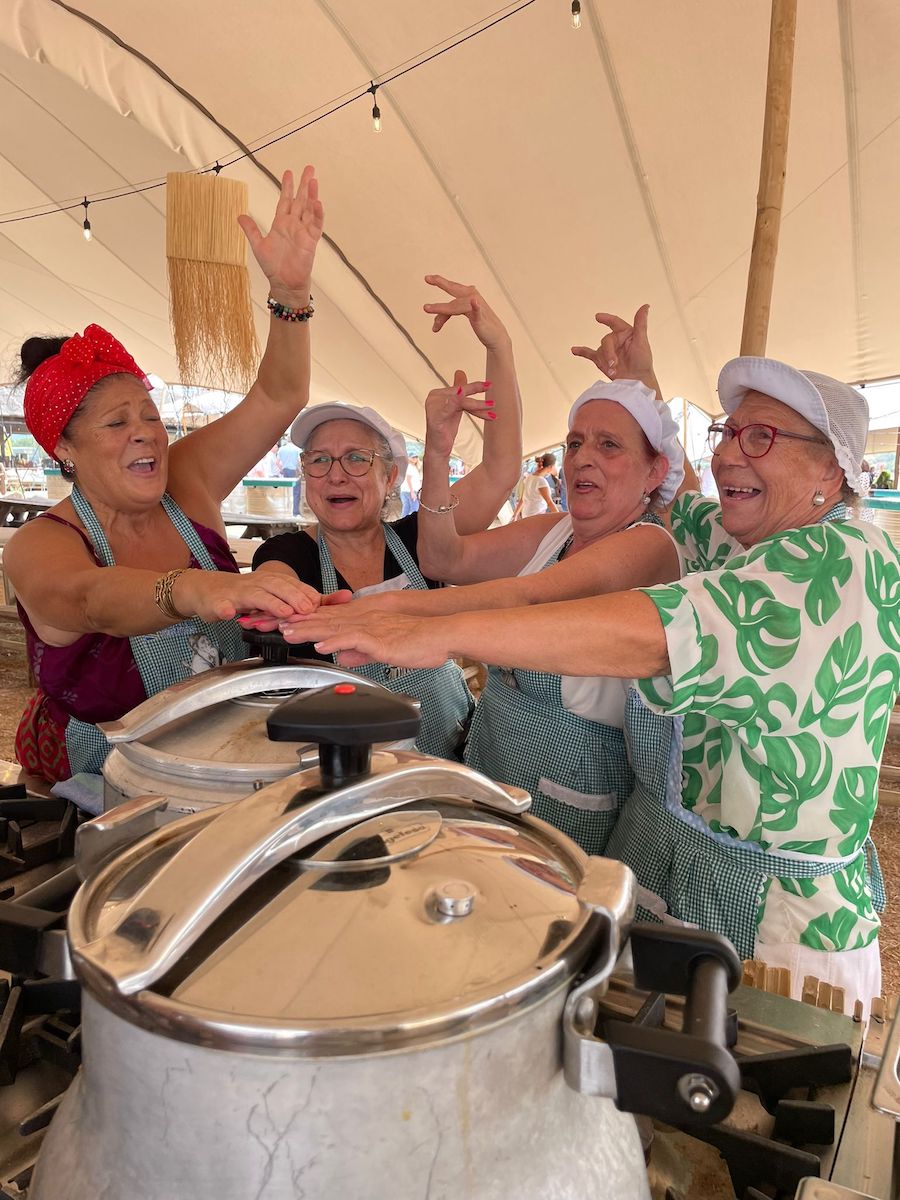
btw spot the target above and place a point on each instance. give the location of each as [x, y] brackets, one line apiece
[764, 680]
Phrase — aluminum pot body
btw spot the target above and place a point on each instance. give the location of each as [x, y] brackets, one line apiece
[485, 1117]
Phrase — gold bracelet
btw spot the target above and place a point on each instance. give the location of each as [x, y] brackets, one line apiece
[162, 594]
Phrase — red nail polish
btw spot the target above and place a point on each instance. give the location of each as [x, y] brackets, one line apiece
[489, 403]
[487, 384]
[459, 391]
[491, 416]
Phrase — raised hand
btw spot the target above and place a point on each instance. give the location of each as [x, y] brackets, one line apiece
[287, 251]
[467, 302]
[625, 352]
[444, 408]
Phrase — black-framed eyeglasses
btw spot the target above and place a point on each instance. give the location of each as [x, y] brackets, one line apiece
[355, 462]
[755, 440]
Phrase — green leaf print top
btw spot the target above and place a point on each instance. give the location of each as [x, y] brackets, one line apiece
[785, 663]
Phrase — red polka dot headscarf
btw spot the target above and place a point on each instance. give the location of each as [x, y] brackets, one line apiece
[56, 388]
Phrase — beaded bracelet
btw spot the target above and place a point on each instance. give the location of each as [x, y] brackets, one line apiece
[162, 594]
[284, 313]
[444, 508]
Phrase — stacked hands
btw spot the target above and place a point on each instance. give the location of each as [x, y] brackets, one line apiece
[385, 627]
[371, 629]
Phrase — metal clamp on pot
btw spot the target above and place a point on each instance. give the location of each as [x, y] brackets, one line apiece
[683, 1078]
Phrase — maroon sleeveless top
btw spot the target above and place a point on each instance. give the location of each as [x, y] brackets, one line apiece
[96, 678]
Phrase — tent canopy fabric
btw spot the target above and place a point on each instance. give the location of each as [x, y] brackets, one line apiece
[561, 171]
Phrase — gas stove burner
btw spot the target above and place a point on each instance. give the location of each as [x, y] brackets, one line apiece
[40, 1002]
[40, 1054]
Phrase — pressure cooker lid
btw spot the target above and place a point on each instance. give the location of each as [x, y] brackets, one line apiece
[413, 905]
[211, 728]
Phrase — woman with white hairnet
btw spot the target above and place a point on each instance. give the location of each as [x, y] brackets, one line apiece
[764, 681]
[558, 737]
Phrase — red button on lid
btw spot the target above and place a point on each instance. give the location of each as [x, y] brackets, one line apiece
[344, 689]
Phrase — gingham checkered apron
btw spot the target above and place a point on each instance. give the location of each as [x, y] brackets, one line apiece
[444, 696]
[162, 658]
[700, 879]
[524, 735]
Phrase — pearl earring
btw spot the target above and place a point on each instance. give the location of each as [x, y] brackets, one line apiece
[645, 499]
[818, 499]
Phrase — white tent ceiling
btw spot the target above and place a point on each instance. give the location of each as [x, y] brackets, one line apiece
[561, 171]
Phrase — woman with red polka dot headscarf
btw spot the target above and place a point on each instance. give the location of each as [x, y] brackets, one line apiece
[118, 584]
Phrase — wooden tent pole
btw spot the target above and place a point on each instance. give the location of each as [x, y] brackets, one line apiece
[771, 177]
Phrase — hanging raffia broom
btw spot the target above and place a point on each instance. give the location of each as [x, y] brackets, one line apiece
[209, 288]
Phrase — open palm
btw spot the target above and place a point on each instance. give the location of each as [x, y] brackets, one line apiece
[287, 251]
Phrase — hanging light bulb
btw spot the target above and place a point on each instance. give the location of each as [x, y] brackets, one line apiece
[576, 14]
[88, 236]
[376, 111]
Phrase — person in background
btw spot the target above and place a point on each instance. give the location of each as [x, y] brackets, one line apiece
[268, 466]
[563, 492]
[865, 486]
[765, 679]
[119, 584]
[536, 495]
[289, 461]
[411, 486]
[352, 461]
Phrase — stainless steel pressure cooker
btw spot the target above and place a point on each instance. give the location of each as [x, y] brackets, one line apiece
[376, 978]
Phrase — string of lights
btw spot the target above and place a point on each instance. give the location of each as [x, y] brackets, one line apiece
[327, 110]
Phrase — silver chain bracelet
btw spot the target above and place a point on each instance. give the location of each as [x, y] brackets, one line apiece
[444, 508]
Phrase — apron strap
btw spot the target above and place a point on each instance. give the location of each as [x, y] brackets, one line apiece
[88, 518]
[189, 534]
[402, 557]
[162, 658]
[184, 527]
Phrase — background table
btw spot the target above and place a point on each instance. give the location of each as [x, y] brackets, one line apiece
[16, 510]
[262, 526]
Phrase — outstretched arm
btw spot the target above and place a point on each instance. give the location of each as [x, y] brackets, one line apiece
[638, 557]
[208, 463]
[79, 597]
[619, 635]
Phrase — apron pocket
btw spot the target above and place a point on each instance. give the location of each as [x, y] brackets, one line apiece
[584, 801]
[657, 907]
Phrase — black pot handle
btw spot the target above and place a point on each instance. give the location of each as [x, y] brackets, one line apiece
[686, 1077]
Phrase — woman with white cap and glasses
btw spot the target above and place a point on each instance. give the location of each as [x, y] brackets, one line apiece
[774, 666]
[559, 737]
[353, 461]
